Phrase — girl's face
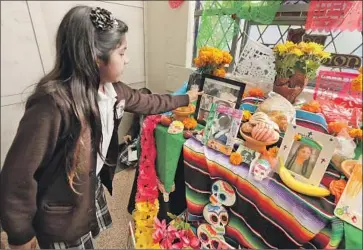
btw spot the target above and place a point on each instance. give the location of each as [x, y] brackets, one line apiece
[113, 70]
[304, 153]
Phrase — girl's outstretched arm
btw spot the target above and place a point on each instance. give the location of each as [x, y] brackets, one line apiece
[149, 104]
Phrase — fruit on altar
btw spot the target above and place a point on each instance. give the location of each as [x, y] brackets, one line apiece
[166, 121]
[298, 186]
[187, 134]
[264, 132]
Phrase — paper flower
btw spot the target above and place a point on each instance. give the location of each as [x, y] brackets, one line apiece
[334, 128]
[297, 137]
[356, 133]
[236, 158]
[190, 123]
[274, 151]
[313, 107]
[147, 205]
[336, 188]
[255, 92]
[357, 82]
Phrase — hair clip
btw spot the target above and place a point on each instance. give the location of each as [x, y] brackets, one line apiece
[102, 19]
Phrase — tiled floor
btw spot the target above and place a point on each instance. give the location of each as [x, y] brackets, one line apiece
[115, 237]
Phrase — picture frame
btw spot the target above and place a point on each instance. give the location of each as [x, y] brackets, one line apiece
[222, 127]
[306, 153]
[349, 207]
[217, 90]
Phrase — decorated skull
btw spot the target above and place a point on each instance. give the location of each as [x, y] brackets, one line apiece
[261, 169]
[222, 193]
[217, 216]
[209, 238]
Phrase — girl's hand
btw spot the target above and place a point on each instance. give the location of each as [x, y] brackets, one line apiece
[127, 138]
[32, 244]
[193, 95]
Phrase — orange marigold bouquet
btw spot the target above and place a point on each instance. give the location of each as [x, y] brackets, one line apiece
[212, 60]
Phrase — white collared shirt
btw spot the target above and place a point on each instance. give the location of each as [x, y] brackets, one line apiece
[106, 102]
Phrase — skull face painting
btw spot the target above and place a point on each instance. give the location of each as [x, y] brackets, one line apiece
[209, 238]
[217, 216]
[261, 169]
[222, 193]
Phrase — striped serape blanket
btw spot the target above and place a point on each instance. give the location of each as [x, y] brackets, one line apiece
[261, 215]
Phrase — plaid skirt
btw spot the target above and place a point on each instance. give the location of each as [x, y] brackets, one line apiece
[104, 221]
[123, 159]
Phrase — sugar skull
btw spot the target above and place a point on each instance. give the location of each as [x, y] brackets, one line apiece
[261, 169]
[209, 238]
[217, 216]
[222, 193]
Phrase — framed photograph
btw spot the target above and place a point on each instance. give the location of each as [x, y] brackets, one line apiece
[349, 207]
[307, 153]
[195, 80]
[222, 128]
[220, 91]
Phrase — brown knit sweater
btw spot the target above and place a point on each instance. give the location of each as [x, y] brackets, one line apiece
[35, 198]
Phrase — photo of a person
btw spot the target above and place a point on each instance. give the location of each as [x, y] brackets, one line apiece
[221, 128]
[221, 90]
[302, 159]
[206, 102]
[203, 116]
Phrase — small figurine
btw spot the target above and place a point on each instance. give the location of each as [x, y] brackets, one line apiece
[260, 169]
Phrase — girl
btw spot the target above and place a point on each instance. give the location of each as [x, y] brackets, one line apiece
[300, 161]
[66, 144]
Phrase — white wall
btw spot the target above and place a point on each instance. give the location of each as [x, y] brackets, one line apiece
[28, 31]
[169, 43]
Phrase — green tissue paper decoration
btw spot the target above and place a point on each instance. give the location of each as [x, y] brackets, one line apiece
[220, 20]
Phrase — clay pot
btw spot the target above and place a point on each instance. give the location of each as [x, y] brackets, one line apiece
[290, 88]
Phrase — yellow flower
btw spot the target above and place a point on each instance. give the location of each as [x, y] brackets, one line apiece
[246, 115]
[297, 52]
[273, 151]
[217, 57]
[219, 72]
[356, 133]
[227, 58]
[281, 49]
[357, 82]
[290, 45]
[297, 137]
[323, 54]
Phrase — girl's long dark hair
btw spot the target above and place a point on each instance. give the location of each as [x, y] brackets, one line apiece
[74, 82]
[293, 158]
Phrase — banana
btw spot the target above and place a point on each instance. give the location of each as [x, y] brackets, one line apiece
[299, 186]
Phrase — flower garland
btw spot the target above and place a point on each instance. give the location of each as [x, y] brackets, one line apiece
[147, 204]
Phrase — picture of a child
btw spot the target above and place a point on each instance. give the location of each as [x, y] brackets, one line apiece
[221, 128]
[301, 161]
